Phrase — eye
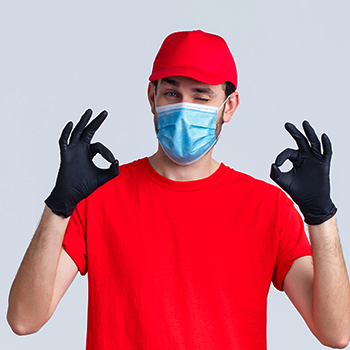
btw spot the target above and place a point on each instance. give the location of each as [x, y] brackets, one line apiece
[202, 99]
[171, 94]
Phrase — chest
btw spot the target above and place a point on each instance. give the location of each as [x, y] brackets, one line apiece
[161, 237]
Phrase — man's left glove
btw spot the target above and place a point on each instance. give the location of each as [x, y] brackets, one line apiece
[78, 176]
[308, 181]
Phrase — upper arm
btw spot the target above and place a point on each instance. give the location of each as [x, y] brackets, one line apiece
[298, 285]
[66, 272]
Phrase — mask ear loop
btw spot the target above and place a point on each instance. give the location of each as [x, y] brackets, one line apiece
[227, 98]
[154, 100]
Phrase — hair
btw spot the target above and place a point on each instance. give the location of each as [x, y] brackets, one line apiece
[229, 87]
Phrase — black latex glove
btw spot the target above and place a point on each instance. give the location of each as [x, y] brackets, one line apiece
[78, 176]
[308, 181]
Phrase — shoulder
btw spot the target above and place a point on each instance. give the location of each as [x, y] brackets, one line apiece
[130, 171]
[136, 167]
[248, 183]
[252, 191]
[129, 174]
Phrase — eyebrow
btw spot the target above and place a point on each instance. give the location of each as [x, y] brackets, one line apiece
[170, 81]
[201, 90]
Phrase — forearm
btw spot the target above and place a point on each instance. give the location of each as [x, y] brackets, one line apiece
[331, 298]
[32, 290]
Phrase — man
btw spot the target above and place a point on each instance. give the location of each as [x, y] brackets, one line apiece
[180, 249]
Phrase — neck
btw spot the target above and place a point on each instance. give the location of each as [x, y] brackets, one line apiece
[200, 169]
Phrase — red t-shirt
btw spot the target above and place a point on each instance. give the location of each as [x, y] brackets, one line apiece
[182, 265]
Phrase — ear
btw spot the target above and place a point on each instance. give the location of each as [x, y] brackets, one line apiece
[231, 105]
[151, 96]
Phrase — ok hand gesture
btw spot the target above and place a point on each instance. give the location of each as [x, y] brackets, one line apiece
[308, 181]
[78, 176]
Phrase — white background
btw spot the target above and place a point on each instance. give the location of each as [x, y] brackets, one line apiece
[59, 58]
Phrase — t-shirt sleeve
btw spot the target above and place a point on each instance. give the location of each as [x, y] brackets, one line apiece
[74, 241]
[293, 242]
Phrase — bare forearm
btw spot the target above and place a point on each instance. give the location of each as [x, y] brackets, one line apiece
[331, 298]
[32, 289]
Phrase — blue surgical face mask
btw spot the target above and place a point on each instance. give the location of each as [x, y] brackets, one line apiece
[186, 131]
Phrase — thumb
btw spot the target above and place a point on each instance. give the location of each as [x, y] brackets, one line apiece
[106, 175]
[275, 173]
[282, 179]
[114, 169]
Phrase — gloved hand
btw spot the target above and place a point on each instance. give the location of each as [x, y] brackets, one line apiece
[78, 176]
[308, 181]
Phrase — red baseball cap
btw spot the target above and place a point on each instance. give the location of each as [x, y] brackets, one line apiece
[195, 54]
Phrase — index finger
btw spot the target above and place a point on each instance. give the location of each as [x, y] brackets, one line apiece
[80, 126]
[90, 130]
[311, 135]
[299, 138]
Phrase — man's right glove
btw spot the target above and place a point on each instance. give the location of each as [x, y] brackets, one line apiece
[78, 176]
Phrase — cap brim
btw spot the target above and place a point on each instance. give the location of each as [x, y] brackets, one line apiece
[189, 72]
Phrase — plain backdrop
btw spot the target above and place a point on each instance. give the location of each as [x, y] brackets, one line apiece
[59, 58]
